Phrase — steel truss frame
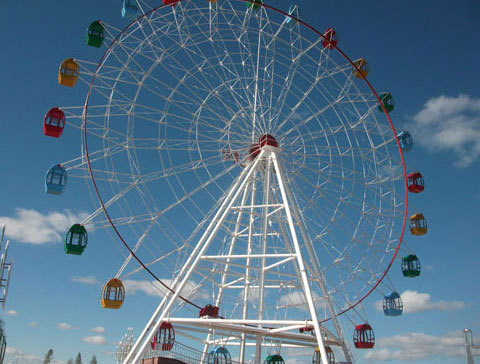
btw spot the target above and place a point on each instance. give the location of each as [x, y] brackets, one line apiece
[241, 197]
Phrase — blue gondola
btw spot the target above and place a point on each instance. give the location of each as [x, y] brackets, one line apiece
[293, 11]
[219, 355]
[406, 140]
[56, 180]
[130, 9]
[392, 304]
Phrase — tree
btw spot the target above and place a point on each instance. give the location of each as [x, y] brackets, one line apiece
[78, 359]
[48, 357]
[94, 360]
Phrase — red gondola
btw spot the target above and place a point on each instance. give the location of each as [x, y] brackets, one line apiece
[209, 310]
[306, 329]
[331, 39]
[165, 337]
[415, 182]
[167, 2]
[54, 122]
[363, 337]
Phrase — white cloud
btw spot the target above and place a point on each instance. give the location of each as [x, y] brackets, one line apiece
[416, 346]
[30, 358]
[297, 299]
[98, 329]
[293, 299]
[33, 227]
[22, 357]
[91, 280]
[300, 360]
[12, 313]
[414, 301]
[147, 287]
[64, 326]
[33, 324]
[13, 351]
[298, 355]
[191, 289]
[55, 361]
[96, 340]
[450, 124]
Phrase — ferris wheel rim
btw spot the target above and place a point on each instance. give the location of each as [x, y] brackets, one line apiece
[405, 214]
[334, 46]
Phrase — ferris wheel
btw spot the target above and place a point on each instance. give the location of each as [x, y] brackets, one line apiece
[246, 164]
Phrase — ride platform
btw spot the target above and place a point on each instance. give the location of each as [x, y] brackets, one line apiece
[161, 360]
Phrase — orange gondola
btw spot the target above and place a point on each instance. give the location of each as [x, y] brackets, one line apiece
[113, 294]
[418, 224]
[317, 357]
[68, 73]
[361, 68]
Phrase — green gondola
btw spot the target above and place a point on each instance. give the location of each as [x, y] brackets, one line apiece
[411, 266]
[76, 239]
[387, 100]
[274, 359]
[95, 34]
[255, 3]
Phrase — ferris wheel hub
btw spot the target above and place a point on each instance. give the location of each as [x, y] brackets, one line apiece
[266, 142]
[267, 139]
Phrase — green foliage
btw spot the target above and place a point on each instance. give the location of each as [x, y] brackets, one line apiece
[78, 359]
[93, 360]
[48, 357]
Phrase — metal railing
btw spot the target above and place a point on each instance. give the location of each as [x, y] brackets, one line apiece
[181, 352]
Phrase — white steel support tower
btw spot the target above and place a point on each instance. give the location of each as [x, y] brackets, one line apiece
[469, 346]
[268, 250]
[5, 270]
[124, 346]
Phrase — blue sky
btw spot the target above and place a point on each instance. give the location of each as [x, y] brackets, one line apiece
[424, 53]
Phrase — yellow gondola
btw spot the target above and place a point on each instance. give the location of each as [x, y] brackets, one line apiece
[113, 294]
[317, 357]
[362, 66]
[418, 224]
[68, 73]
